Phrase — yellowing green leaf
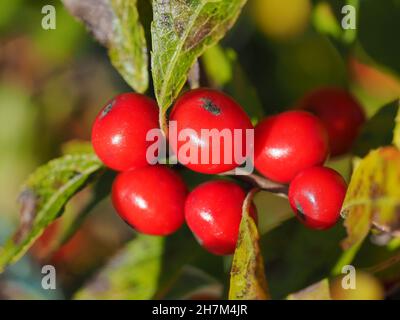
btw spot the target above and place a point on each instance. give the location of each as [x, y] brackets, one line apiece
[373, 197]
[218, 64]
[43, 198]
[248, 280]
[318, 291]
[181, 31]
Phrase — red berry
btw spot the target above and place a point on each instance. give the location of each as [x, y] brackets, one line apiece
[316, 196]
[288, 143]
[120, 129]
[207, 109]
[340, 113]
[213, 212]
[150, 199]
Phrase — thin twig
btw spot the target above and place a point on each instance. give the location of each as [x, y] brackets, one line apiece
[259, 182]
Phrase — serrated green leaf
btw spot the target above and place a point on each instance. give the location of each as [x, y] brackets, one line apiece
[43, 198]
[181, 31]
[396, 132]
[248, 280]
[116, 25]
[372, 199]
[72, 222]
[318, 291]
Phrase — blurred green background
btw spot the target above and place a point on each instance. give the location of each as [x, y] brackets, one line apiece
[53, 82]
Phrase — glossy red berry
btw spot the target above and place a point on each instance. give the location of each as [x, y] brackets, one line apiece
[288, 143]
[150, 199]
[316, 196]
[341, 115]
[213, 212]
[120, 129]
[206, 109]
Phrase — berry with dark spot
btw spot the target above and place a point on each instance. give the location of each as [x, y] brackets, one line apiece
[120, 129]
[213, 212]
[341, 115]
[316, 196]
[150, 199]
[205, 121]
[288, 143]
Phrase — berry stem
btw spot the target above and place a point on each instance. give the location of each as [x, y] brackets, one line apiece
[260, 182]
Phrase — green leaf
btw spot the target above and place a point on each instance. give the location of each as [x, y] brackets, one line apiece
[291, 244]
[116, 25]
[318, 291]
[77, 147]
[151, 267]
[372, 199]
[378, 24]
[224, 70]
[181, 32]
[248, 280]
[128, 49]
[131, 274]
[396, 133]
[43, 198]
[193, 282]
[72, 222]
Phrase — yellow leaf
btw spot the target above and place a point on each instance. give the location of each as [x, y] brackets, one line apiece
[373, 196]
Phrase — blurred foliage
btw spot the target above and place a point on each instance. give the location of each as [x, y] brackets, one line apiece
[53, 82]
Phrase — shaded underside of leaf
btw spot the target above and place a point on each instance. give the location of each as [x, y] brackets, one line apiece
[318, 291]
[248, 280]
[181, 31]
[44, 197]
[116, 25]
[373, 197]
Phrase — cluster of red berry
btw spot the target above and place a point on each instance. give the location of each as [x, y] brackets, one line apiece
[289, 148]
